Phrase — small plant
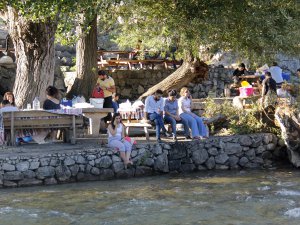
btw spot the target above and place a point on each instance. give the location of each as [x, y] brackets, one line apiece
[239, 121]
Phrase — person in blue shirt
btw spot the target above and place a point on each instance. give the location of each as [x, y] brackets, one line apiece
[115, 103]
[171, 115]
[154, 107]
[52, 102]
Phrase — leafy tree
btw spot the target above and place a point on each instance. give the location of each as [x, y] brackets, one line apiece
[32, 26]
[255, 28]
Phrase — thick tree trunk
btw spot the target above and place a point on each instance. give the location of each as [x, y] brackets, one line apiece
[187, 72]
[34, 50]
[86, 62]
[289, 122]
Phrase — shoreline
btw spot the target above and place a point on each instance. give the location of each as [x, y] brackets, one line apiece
[49, 164]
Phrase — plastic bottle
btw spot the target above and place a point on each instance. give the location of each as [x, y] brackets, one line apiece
[36, 104]
[74, 101]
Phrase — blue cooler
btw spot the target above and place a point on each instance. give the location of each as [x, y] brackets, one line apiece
[66, 102]
[286, 76]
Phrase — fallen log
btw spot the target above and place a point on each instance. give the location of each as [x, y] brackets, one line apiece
[186, 73]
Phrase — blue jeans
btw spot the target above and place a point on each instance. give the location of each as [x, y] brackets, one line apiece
[173, 122]
[196, 124]
[158, 120]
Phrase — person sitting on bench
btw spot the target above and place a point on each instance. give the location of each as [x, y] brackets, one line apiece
[171, 115]
[154, 111]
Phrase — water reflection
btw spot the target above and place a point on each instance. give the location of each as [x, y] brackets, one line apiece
[230, 197]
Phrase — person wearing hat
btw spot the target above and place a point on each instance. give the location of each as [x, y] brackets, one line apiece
[107, 84]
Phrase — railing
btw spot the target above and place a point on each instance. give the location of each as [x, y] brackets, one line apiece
[125, 60]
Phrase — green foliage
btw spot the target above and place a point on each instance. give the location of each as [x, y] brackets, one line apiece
[240, 121]
[66, 14]
[257, 29]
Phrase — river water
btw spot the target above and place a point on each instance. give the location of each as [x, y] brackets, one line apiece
[227, 197]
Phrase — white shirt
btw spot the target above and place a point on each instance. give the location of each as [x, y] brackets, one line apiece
[151, 105]
[119, 132]
[276, 73]
[184, 103]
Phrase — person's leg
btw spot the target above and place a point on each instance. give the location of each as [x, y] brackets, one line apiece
[128, 148]
[172, 121]
[153, 117]
[201, 126]
[192, 124]
[185, 127]
[121, 147]
[108, 104]
[161, 122]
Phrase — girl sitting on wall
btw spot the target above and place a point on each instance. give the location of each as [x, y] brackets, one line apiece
[116, 139]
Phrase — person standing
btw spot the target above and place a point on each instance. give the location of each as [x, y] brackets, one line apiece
[154, 107]
[171, 114]
[269, 95]
[276, 73]
[107, 84]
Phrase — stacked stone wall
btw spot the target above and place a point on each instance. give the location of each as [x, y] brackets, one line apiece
[133, 83]
[234, 152]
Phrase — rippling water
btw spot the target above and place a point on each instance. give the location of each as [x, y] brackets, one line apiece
[229, 197]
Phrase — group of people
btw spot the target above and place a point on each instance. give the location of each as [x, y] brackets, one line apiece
[51, 103]
[158, 110]
[173, 111]
[115, 129]
[272, 83]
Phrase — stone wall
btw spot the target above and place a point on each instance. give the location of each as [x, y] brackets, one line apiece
[133, 83]
[218, 79]
[94, 163]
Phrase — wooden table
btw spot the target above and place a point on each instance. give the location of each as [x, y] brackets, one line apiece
[95, 115]
[41, 119]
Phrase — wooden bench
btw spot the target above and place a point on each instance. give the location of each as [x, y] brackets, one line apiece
[39, 119]
[138, 124]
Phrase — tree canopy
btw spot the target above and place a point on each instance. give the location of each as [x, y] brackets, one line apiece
[255, 28]
[65, 13]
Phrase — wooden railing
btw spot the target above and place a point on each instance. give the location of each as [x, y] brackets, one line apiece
[125, 60]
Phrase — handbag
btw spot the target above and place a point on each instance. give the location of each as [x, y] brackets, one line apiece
[98, 93]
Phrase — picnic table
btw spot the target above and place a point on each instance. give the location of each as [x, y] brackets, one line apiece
[95, 115]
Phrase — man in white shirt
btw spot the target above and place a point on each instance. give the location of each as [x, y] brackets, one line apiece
[276, 73]
[154, 107]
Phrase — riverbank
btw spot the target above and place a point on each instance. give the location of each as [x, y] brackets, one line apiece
[48, 164]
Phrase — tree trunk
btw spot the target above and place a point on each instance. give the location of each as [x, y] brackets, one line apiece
[86, 62]
[187, 72]
[289, 122]
[34, 50]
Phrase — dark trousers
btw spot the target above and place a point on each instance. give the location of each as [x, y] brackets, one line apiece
[108, 104]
